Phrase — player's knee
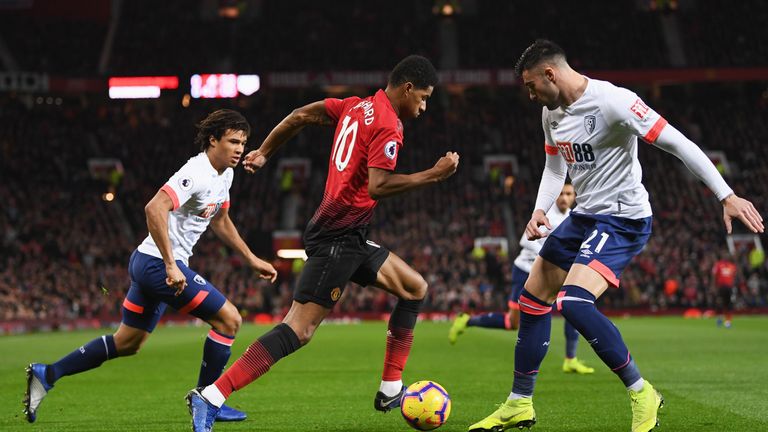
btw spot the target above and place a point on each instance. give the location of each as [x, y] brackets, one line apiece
[229, 320]
[530, 286]
[417, 290]
[128, 341]
[128, 346]
[232, 324]
[305, 334]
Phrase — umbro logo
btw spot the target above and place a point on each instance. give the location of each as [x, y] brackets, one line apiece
[554, 124]
[592, 341]
[545, 343]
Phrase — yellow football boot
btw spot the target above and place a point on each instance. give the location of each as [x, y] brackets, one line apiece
[645, 407]
[514, 413]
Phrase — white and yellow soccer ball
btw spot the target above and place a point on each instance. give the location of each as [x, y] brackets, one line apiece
[425, 405]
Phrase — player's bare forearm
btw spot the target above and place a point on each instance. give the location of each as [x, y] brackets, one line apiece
[226, 231]
[157, 223]
[382, 183]
[312, 114]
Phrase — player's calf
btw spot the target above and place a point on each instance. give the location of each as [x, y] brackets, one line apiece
[279, 342]
[399, 342]
[578, 306]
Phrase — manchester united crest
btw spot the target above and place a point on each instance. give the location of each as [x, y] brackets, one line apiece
[335, 293]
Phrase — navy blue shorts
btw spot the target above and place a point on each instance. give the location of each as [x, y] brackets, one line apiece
[149, 294]
[519, 276]
[604, 243]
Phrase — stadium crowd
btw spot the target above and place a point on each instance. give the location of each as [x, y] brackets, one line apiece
[158, 37]
[65, 250]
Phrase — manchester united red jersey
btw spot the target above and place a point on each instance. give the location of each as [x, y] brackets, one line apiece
[368, 135]
[725, 273]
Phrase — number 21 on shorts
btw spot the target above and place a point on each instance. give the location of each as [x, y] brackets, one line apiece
[600, 244]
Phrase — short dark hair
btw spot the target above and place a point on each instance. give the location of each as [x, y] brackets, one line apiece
[217, 123]
[537, 52]
[415, 69]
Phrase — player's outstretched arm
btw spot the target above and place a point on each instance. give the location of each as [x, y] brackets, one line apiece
[312, 114]
[383, 183]
[225, 230]
[157, 222]
[672, 141]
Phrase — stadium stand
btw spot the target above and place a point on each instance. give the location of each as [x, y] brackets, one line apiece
[64, 249]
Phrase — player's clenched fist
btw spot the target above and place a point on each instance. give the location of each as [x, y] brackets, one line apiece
[175, 278]
[446, 165]
[253, 161]
[265, 269]
[538, 218]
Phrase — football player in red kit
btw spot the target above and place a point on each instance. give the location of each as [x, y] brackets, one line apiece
[367, 142]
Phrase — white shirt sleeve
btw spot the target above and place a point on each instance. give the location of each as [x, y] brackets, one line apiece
[555, 170]
[183, 185]
[673, 141]
[630, 112]
[624, 108]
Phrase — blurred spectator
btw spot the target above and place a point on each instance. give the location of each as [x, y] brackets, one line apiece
[64, 250]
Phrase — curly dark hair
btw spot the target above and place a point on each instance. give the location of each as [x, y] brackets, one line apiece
[217, 123]
[415, 69]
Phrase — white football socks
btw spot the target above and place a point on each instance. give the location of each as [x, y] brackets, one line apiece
[213, 395]
[391, 388]
[513, 396]
[637, 385]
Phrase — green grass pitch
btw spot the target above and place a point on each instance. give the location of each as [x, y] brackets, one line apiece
[713, 380]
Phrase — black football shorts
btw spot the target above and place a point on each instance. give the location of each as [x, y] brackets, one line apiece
[335, 261]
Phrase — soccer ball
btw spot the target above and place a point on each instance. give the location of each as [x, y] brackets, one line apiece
[425, 405]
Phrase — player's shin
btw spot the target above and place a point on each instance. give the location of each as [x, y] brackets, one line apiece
[255, 362]
[578, 306]
[279, 342]
[532, 343]
[216, 352]
[88, 356]
[399, 341]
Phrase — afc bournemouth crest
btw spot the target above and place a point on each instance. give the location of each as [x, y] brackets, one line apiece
[589, 124]
[335, 293]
